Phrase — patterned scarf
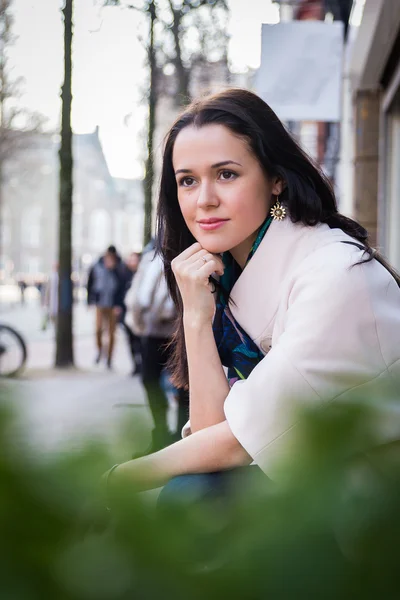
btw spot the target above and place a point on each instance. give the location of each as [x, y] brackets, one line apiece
[236, 349]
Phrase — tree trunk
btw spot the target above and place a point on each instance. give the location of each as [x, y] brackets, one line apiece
[2, 249]
[149, 165]
[183, 95]
[4, 25]
[64, 348]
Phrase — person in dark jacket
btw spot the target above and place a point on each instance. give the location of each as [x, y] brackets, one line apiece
[106, 289]
[131, 266]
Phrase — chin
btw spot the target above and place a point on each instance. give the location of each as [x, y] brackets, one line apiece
[215, 242]
[213, 246]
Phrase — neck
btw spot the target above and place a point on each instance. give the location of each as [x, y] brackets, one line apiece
[241, 252]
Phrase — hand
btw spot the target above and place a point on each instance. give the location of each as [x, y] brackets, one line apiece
[117, 311]
[95, 515]
[192, 270]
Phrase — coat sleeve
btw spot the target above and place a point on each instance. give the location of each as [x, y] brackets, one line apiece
[89, 287]
[328, 346]
[120, 291]
[142, 291]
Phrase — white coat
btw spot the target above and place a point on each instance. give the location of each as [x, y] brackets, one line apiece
[152, 309]
[327, 327]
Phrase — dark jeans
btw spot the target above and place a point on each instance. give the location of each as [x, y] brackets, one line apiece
[155, 354]
[203, 503]
[190, 490]
[211, 531]
[154, 357]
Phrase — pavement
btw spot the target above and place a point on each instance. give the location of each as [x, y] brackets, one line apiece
[66, 407]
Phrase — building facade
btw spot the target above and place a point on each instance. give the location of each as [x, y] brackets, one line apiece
[373, 168]
[105, 210]
[320, 139]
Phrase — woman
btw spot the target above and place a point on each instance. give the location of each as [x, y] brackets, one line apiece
[304, 310]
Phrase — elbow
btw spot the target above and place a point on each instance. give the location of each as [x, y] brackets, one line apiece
[238, 456]
[241, 457]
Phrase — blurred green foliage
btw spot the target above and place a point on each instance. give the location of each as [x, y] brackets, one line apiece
[328, 528]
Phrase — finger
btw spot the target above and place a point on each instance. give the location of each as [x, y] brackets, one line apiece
[210, 267]
[216, 261]
[193, 249]
[202, 255]
[191, 264]
[219, 262]
[201, 270]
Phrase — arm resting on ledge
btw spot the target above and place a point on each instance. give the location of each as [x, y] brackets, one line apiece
[214, 448]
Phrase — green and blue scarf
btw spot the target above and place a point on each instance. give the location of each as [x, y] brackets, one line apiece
[236, 349]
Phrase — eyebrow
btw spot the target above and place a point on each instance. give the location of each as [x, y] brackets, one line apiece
[215, 166]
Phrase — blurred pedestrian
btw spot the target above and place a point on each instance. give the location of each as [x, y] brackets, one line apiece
[154, 316]
[131, 265]
[22, 287]
[40, 285]
[50, 298]
[106, 289]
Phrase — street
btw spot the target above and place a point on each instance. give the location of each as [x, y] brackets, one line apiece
[66, 407]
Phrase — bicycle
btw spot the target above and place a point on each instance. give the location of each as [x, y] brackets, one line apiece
[13, 352]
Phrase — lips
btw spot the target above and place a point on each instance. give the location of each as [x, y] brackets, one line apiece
[211, 221]
[211, 224]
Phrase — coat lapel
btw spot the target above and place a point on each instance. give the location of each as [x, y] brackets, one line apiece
[257, 292]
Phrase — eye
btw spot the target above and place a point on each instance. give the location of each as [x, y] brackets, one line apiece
[186, 181]
[227, 175]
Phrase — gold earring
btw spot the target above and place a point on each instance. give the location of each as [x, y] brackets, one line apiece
[278, 212]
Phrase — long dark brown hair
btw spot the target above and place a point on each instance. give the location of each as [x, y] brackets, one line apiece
[307, 193]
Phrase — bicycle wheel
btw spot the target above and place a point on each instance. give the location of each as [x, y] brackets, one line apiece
[13, 353]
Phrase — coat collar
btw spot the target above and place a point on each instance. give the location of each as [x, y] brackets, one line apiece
[257, 292]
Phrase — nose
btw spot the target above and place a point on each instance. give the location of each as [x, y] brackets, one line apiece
[208, 196]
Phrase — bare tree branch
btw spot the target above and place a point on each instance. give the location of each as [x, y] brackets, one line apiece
[15, 120]
[171, 49]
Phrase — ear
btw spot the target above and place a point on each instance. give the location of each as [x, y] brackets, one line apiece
[278, 185]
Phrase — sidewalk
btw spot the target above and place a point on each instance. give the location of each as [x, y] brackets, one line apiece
[28, 319]
[64, 407]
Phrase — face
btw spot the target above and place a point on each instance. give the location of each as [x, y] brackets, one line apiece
[223, 193]
[110, 260]
[133, 261]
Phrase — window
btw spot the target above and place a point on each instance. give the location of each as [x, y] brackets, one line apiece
[136, 223]
[99, 230]
[120, 228]
[77, 228]
[6, 233]
[46, 169]
[31, 226]
[99, 185]
[31, 264]
[309, 138]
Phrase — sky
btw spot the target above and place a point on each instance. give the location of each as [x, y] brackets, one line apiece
[109, 76]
